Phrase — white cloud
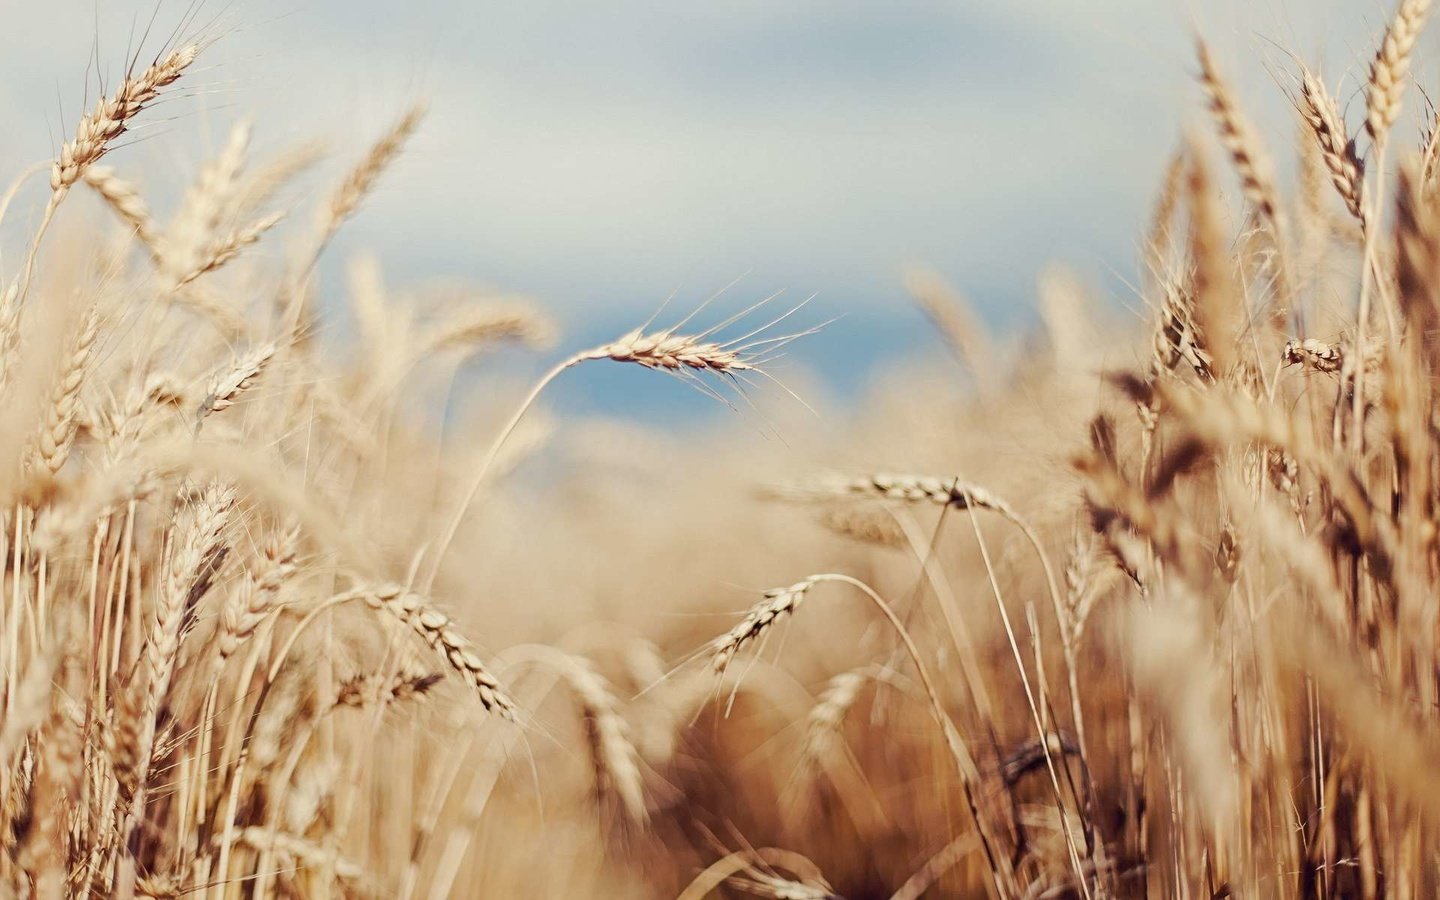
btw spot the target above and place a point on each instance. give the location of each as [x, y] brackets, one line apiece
[607, 152]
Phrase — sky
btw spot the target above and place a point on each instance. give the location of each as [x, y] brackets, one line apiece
[604, 156]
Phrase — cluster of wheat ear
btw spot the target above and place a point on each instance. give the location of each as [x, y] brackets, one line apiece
[274, 621]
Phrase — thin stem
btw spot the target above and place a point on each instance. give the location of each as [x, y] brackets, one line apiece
[448, 536]
[963, 761]
[1034, 707]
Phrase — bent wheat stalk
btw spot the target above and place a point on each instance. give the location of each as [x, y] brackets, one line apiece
[665, 350]
[783, 601]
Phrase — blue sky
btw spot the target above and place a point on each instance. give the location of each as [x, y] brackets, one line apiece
[601, 156]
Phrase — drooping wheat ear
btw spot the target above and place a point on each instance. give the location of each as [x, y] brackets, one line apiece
[827, 716]
[228, 247]
[112, 115]
[247, 608]
[952, 317]
[615, 760]
[1239, 140]
[381, 688]
[686, 356]
[125, 201]
[229, 384]
[666, 350]
[361, 179]
[58, 434]
[437, 630]
[785, 600]
[1390, 71]
[1337, 148]
[777, 602]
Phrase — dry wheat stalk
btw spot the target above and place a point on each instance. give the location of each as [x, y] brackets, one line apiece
[1417, 255]
[1390, 71]
[54, 794]
[1176, 335]
[112, 115]
[437, 630]
[300, 850]
[827, 716]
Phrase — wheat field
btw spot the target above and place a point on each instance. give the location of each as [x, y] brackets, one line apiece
[1100, 611]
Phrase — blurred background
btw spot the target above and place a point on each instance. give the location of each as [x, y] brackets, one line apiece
[603, 157]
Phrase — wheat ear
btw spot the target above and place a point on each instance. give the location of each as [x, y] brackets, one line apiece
[58, 433]
[664, 350]
[1390, 71]
[438, 631]
[1337, 148]
[112, 115]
